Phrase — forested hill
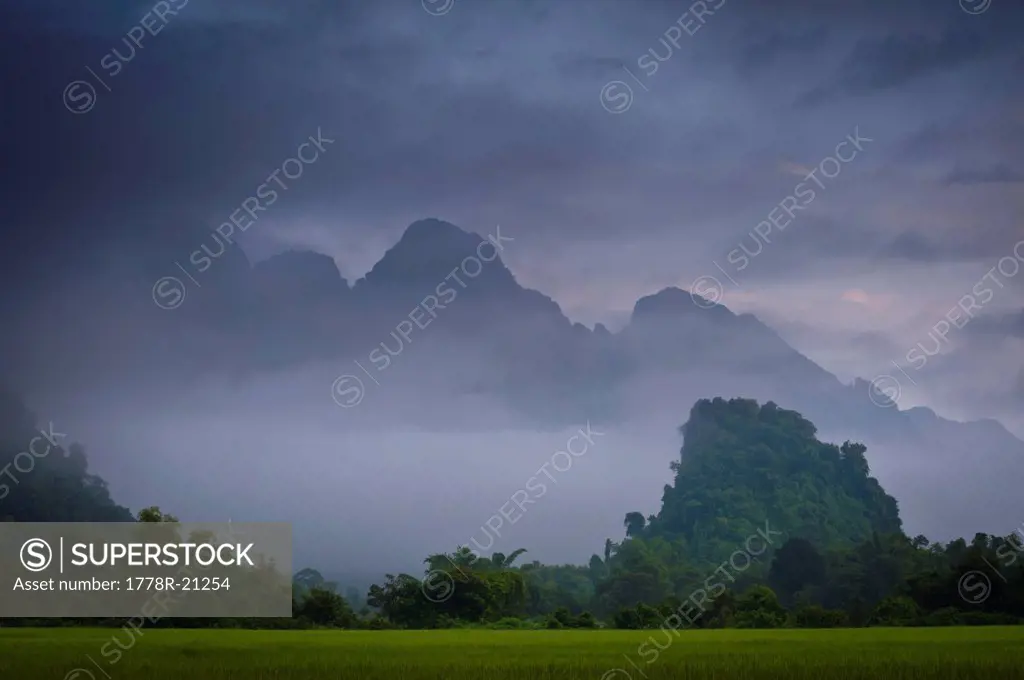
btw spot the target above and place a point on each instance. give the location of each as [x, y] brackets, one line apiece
[743, 464]
[43, 477]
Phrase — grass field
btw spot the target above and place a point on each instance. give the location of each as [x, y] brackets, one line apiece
[876, 654]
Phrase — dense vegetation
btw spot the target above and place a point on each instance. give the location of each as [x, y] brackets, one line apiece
[764, 526]
[41, 480]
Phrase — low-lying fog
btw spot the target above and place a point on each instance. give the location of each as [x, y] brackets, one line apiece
[366, 495]
[363, 495]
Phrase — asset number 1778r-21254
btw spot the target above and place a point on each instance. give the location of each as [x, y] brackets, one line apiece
[137, 583]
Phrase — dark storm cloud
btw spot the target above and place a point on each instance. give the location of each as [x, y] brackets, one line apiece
[766, 50]
[489, 115]
[892, 61]
[492, 115]
[996, 174]
[940, 43]
[915, 247]
[429, 111]
[1008, 325]
[483, 116]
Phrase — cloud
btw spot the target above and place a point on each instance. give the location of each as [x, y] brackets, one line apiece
[1018, 389]
[795, 169]
[856, 296]
[1008, 325]
[996, 174]
[491, 114]
[899, 58]
[916, 247]
[895, 60]
[766, 50]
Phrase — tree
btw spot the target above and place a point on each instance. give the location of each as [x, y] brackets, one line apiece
[52, 483]
[325, 608]
[637, 575]
[743, 464]
[564, 617]
[309, 579]
[634, 523]
[759, 607]
[796, 565]
[500, 561]
[895, 611]
[401, 601]
[153, 514]
[813, 616]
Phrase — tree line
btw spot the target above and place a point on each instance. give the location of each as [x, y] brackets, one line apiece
[763, 526]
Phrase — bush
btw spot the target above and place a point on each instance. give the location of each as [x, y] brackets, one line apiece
[511, 623]
[626, 619]
[947, 616]
[564, 617]
[648, 616]
[760, 619]
[988, 619]
[378, 622]
[895, 611]
[446, 621]
[324, 607]
[813, 616]
[759, 608]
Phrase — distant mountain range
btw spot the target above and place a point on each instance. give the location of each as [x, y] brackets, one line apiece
[443, 321]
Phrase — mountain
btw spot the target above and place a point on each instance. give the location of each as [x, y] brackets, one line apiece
[43, 481]
[743, 464]
[751, 479]
[444, 321]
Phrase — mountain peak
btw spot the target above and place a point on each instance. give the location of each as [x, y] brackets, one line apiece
[673, 301]
[298, 273]
[305, 261]
[437, 239]
[734, 444]
[434, 230]
[431, 249]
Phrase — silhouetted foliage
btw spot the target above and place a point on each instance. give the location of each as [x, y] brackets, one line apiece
[837, 555]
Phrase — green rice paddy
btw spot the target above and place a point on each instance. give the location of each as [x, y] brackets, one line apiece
[989, 653]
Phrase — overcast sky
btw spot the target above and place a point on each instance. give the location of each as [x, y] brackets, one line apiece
[497, 112]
